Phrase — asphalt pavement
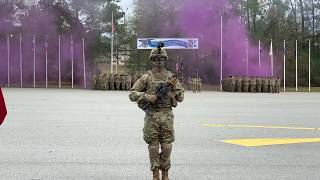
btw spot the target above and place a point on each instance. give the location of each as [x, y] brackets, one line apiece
[53, 134]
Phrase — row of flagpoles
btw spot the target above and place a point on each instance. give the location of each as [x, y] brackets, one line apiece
[271, 60]
[59, 63]
[46, 61]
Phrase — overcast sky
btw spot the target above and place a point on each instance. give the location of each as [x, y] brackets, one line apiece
[127, 4]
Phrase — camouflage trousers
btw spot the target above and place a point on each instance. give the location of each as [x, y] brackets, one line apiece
[259, 88]
[239, 89]
[111, 85]
[117, 85]
[128, 86]
[158, 132]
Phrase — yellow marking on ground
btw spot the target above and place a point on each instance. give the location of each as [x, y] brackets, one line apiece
[261, 126]
[270, 141]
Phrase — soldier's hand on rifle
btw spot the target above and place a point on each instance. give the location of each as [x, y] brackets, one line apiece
[151, 98]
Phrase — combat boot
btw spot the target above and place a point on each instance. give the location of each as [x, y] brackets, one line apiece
[165, 175]
[155, 175]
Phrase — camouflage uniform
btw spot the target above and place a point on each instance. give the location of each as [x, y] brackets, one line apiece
[232, 84]
[117, 81]
[101, 82]
[194, 84]
[272, 85]
[246, 84]
[124, 82]
[95, 82]
[121, 84]
[158, 128]
[253, 84]
[278, 84]
[136, 77]
[128, 82]
[111, 82]
[265, 84]
[239, 83]
[104, 82]
[259, 84]
[225, 84]
[199, 84]
[269, 85]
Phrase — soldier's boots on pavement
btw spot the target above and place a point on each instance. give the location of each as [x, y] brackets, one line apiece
[155, 174]
[165, 175]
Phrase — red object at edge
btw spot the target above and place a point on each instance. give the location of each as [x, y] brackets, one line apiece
[3, 109]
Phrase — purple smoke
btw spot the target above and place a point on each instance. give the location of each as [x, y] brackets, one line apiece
[201, 19]
[41, 24]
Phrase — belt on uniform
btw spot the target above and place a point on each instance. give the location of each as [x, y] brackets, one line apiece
[159, 109]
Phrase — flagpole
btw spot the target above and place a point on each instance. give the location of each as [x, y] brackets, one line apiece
[34, 61]
[72, 61]
[111, 63]
[221, 52]
[271, 59]
[309, 65]
[259, 56]
[296, 65]
[84, 64]
[8, 48]
[247, 59]
[20, 54]
[197, 63]
[117, 54]
[284, 65]
[59, 61]
[46, 46]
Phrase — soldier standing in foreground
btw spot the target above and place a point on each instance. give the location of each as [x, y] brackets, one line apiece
[158, 128]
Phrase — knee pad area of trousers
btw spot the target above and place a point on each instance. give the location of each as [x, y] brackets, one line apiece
[166, 149]
[153, 151]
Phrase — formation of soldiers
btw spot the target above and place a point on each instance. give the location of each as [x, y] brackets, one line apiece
[114, 82]
[195, 84]
[251, 84]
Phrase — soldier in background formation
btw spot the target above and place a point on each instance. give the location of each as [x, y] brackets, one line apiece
[195, 84]
[119, 82]
[251, 84]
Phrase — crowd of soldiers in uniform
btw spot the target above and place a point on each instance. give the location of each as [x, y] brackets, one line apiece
[116, 82]
[195, 83]
[251, 84]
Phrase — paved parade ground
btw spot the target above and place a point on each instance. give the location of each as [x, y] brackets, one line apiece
[52, 134]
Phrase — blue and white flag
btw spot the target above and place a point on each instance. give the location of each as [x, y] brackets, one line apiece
[169, 43]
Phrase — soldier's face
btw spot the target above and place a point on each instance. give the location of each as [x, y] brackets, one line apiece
[158, 62]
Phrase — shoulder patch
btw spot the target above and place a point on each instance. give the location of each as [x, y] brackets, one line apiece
[144, 77]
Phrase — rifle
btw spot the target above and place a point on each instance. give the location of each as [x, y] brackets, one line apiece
[161, 91]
